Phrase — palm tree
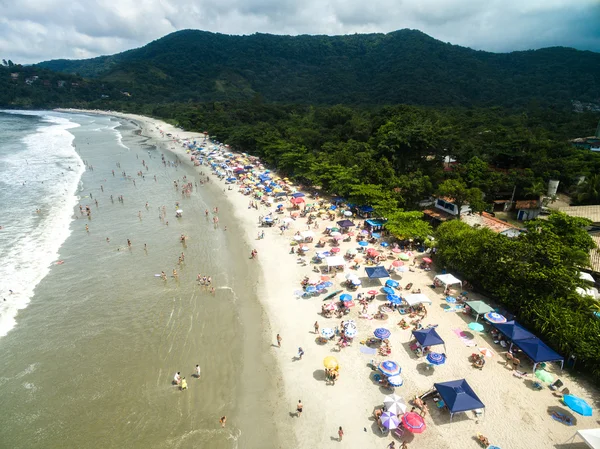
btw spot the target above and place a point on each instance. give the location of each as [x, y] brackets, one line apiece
[589, 191]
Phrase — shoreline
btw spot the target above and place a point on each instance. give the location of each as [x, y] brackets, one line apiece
[513, 412]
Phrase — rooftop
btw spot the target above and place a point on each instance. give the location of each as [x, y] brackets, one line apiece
[527, 204]
[485, 220]
[589, 212]
[438, 214]
[595, 254]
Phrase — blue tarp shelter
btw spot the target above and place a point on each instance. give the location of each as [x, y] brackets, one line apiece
[458, 396]
[513, 330]
[538, 351]
[429, 337]
[377, 272]
[345, 224]
[365, 209]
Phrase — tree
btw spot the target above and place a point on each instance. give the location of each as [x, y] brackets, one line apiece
[408, 225]
[588, 192]
[460, 194]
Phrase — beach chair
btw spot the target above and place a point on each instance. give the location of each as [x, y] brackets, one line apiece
[556, 385]
[399, 432]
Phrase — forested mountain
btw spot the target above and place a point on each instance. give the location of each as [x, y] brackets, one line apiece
[405, 66]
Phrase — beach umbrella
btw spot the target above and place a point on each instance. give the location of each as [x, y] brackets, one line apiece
[358, 259]
[304, 248]
[389, 368]
[335, 229]
[320, 287]
[347, 213]
[402, 269]
[486, 352]
[298, 195]
[577, 405]
[388, 290]
[391, 283]
[382, 333]
[477, 327]
[394, 404]
[427, 260]
[450, 299]
[409, 253]
[385, 244]
[335, 250]
[403, 256]
[327, 284]
[346, 297]
[350, 332]
[397, 263]
[544, 376]
[351, 252]
[288, 220]
[327, 332]
[413, 422]
[336, 234]
[436, 358]
[330, 362]
[396, 250]
[395, 381]
[372, 292]
[311, 289]
[376, 235]
[363, 243]
[325, 278]
[494, 317]
[394, 299]
[356, 281]
[389, 420]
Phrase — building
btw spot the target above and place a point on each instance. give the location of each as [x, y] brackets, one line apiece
[592, 213]
[14, 76]
[486, 220]
[447, 205]
[595, 253]
[528, 209]
[61, 83]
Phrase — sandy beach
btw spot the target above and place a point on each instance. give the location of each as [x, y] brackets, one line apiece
[516, 415]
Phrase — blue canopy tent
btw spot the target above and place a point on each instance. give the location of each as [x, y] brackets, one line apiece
[513, 330]
[377, 272]
[429, 337]
[458, 396]
[345, 224]
[365, 209]
[538, 351]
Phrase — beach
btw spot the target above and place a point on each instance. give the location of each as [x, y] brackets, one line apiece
[516, 415]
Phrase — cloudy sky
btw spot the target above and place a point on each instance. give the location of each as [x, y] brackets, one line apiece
[36, 30]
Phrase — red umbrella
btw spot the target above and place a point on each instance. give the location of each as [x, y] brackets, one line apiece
[397, 263]
[372, 252]
[372, 292]
[350, 234]
[413, 422]
[335, 250]
[325, 278]
[426, 260]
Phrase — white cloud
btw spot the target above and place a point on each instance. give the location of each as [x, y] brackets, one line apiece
[34, 30]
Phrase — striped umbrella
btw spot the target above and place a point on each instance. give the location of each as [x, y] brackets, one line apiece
[436, 358]
[350, 332]
[382, 333]
[389, 420]
[395, 381]
[394, 404]
[413, 423]
[327, 332]
[494, 317]
[389, 368]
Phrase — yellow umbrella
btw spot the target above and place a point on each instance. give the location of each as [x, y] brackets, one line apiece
[330, 362]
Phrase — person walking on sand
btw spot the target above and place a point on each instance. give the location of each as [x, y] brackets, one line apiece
[299, 408]
[316, 327]
[300, 353]
[198, 371]
[223, 420]
[278, 341]
[392, 445]
[340, 433]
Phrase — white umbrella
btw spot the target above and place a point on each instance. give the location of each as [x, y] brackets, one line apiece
[395, 404]
[327, 332]
[288, 220]
[335, 234]
[347, 213]
[298, 238]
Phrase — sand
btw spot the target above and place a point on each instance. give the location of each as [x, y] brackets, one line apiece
[516, 415]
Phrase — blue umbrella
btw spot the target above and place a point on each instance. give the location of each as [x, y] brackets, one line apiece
[327, 284]
[363, 243]
[350, 332]
[320, 287]
[477, 327]
[388, 290]
[389, 420]
[375, 235]
[346, 297]
[395, 381]
[384, 244]
[394, 299]
[450, 299]
[311, 289]
[297, 194]
[382, 333]
[436, 359]
[391, 283]
[389, 368]
[577, 405]
[494, 317]
[280, 206]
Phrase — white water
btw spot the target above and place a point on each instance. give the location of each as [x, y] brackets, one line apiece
[45, 174]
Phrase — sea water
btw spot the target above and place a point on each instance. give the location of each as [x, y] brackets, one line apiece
[91, 338]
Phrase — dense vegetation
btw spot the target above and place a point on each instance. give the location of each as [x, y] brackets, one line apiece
[534, 276]
[405, 66]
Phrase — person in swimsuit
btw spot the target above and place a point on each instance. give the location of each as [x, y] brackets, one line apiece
[299, 408]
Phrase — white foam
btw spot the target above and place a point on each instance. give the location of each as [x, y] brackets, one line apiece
[30, 242]
[119, 136]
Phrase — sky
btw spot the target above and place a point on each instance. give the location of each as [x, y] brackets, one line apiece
[37, 30]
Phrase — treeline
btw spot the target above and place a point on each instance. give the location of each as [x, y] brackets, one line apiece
[533, 276]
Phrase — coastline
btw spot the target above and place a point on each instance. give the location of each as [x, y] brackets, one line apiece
[350, 404]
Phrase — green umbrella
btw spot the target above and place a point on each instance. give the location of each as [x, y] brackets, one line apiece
[335, 229]
[544, 376]
[404, 256]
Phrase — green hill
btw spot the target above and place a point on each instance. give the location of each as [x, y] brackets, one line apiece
[405, 66]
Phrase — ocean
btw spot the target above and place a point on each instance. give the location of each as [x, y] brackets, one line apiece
[90, 337]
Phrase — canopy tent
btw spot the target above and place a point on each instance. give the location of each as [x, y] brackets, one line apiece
[458, 396]
[538, 351]
[513, 331]
[429, 337]
[586, 276]
[448, 279]
[345, 224]
[377, 272]
[590, 436]
[417, 298]
[335, 261]
[479, 307]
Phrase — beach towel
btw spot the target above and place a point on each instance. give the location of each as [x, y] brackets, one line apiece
[560, 418]
[367, 350]
[463, 337]
[458, 308]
